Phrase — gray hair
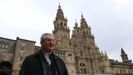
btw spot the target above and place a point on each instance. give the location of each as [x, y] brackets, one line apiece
[44, 35]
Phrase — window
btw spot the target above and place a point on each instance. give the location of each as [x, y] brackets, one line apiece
[69, 54]
[83, 71]
[83, 68]
[4, 44]
[82, 64]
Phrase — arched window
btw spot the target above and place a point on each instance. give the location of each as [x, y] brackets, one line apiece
[61, 24]
[82, 68]
[4, 44]
[5, 68]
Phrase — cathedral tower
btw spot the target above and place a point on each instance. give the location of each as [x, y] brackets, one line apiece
[61, 31]
[124, 56]
[87, 55]
[83, 44]
[62, 37]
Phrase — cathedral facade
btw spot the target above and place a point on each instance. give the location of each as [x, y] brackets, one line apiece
[79, 52]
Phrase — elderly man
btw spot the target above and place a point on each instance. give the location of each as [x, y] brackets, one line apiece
[44, 62]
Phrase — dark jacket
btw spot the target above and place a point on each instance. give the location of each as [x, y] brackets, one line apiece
[34, 65]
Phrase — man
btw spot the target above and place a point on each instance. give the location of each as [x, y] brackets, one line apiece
[44, 62]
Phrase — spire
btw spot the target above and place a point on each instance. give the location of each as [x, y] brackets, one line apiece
[83, 22]
[60, 22]
[82, 16]
[124, 56]
[59, 6]
[76, 24]
[122, 52]
[101, 52]
[106, 54]
[60, 14]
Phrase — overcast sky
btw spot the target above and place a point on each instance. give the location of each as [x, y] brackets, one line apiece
[111, 21]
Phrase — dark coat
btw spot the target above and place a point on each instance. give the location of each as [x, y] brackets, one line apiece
[34, 65]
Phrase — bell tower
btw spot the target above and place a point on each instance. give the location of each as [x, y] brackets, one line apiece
[61, 30]
[62, 37]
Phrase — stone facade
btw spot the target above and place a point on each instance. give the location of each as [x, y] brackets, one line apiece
[80, 54]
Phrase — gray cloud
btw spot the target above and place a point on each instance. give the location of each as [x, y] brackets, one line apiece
[110, 20]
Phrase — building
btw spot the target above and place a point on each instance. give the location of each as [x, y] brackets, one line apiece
[81, 55]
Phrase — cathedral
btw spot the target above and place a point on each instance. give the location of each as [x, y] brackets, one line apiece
[79, 52]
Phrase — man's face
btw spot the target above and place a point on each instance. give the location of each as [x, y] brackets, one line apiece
[48, 43]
